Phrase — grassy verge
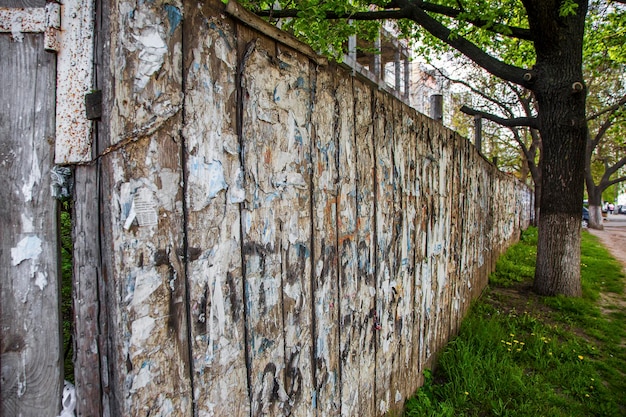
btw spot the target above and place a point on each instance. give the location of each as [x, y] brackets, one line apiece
[518, 354]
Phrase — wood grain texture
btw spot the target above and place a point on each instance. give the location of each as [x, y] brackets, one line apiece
[368, 321]
[32, 364]
[22, 3]
[386, 234]
[325, 278]
[86, 275]
[143, 221]
[277, 229]
[354, 316]
[214, 189]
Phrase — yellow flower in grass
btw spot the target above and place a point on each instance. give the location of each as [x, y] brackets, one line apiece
[581, 357]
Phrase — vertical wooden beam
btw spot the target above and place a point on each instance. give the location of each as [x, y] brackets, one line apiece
[407, 79]
[385, 237]
[378, 70]
[419, 244]
[86, 278]
[352, 311]
[142, 214]
[478, 132]
[213, 192]
[293, 97]
[436, 107]
[367, 322]
[404, 149]
[32, 365]
[277, 228]
[326, 296]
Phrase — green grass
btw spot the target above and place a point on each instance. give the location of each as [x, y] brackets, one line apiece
[67, 311]
[518, 354]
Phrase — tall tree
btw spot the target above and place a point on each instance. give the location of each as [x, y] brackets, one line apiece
[552, 32]
[604, 68]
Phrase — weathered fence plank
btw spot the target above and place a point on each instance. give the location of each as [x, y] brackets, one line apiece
[276, 228]
[87, 375]
[352, 312]
[292, 94]
[368, 321]
[31, 354]
[325, 278]
[143, 219]
[412, 125]
[214, 189]
[404, 162]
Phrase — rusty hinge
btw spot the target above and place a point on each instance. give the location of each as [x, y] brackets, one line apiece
[53, 26]
[20, 20]
[93, 105]
[68, 31]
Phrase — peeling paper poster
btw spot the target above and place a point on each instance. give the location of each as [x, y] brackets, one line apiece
[142, 209]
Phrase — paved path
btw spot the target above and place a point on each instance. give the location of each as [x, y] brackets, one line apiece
[614, 236]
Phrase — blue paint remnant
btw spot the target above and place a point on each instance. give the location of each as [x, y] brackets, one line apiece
[216, 179]
[298, 137]
[299, 82]
[302, 250]
[130, 287]
[265, 344]
[276, 97]
[222, 34]
[174, 16]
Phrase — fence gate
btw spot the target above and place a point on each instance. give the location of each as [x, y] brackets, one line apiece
[45, 71]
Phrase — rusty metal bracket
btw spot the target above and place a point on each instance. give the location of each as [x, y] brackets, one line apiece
[53, 26]
[74, 81]
[68, 29]
[33, 20]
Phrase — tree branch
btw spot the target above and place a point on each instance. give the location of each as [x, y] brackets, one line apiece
[373, 15]
[416, 10]
[531, 122]
[610, 109]
[476, 91]
[614, 168]
[615, 181]
[513, 31]
[492, 65]
[394, 12]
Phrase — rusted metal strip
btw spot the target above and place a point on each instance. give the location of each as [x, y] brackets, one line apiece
[73, 41]
[74, 80]
[22, 20]
[33, 20]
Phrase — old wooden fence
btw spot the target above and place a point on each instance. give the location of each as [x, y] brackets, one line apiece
[257, 232]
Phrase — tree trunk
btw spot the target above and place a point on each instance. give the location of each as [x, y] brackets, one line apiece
[595, 206]
[560, 94]
[537, 202]
[563, 129]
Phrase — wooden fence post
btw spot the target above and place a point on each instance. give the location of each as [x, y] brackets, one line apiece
[29, 253]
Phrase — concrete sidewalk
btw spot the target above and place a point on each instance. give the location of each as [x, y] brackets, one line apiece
[614, 236]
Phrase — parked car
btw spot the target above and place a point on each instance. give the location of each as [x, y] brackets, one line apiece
[621, 209]
[585, 221]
